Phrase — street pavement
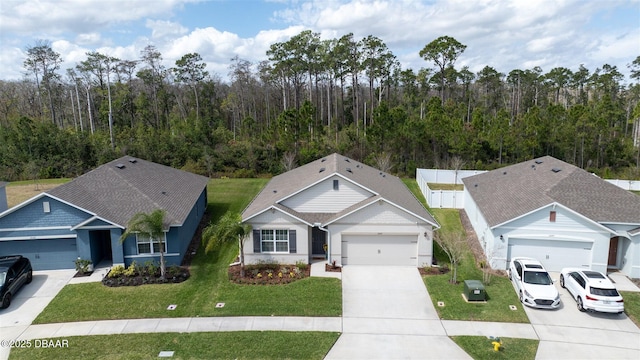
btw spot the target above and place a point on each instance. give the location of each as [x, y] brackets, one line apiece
[387, 314]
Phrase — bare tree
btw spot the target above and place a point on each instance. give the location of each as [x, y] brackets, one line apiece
[289, 161]
[454, 245]
[383, 161]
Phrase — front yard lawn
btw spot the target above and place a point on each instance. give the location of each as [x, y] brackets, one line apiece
[632, 305]
[208, 284]
[207, 345]
[479, 347]
[500, 293]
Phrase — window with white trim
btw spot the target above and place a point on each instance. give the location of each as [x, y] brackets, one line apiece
[144, 244]
[274, 240]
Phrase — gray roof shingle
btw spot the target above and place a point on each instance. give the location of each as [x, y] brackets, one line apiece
[118, 190]
[512, 191]
[386, 186]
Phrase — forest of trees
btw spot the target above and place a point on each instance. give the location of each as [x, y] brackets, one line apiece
[310, 98]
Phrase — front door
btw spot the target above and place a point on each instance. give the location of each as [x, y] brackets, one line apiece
[318, 239]
[613, 252]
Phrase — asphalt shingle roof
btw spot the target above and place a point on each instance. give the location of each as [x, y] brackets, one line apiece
[386, 186]
[512, 191]
[118, 190]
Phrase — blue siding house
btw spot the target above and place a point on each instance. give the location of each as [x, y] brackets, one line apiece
[86, 217]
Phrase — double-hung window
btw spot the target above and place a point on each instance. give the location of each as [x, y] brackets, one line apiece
[146, 246]
[274, 240]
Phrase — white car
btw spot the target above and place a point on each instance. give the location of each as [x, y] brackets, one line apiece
[533, 283]
[592, 290]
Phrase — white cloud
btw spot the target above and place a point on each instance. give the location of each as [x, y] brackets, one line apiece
[165, 29]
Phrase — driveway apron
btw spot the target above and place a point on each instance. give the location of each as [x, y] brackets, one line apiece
[387, 314]
[583, 335]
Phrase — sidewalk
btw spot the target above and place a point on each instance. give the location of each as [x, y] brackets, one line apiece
[190, 324]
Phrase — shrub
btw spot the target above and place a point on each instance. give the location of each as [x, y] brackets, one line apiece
[301, 265]
[82, 265]
[116, 271]
[151, 267]
[131, 270]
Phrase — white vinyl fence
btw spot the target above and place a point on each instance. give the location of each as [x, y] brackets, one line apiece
[454, 199]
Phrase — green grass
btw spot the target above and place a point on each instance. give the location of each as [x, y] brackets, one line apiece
[500, 293]
[480, 347]
[207, 285]
[41, 182]
[437, 186]
[632, 305]
[221, 345]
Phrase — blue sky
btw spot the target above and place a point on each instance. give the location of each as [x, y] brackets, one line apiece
[507, 35]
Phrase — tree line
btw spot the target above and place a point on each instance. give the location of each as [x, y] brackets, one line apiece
[309, 98]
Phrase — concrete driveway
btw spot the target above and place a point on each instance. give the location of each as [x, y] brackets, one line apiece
[29, 302]
[578, 335]
[387, 314]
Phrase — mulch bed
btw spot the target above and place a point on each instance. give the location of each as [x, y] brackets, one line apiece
[84, 274]
[174, 274]
[259, 275]
[331, 268]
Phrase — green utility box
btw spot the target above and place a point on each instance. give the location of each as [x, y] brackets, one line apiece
[474, 290]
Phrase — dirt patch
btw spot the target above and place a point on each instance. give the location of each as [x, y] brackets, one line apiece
[17, 194]
[332, 268]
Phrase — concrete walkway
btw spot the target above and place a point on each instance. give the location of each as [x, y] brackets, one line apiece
[383, 318]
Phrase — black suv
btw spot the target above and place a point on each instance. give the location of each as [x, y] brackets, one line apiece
[15, 271]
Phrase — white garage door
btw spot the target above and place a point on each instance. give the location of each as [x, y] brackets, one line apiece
[401, 250]
[553, 254]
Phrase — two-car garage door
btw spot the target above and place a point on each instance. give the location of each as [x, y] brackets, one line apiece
[399, 250]
[553, 254]
[46, 254]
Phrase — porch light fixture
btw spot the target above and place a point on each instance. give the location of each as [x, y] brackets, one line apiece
[501, 238]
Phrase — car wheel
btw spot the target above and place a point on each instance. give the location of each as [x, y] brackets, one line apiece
[562, 281]
[580, 304]
[29, 277]
[6, 301]
[509, 274]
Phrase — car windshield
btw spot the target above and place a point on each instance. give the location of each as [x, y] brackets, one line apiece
[537, 278]
[604, 292]
[3, 275]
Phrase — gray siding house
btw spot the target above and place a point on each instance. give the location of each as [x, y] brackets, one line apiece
[341, 210]
[85, 217]
[557, 213]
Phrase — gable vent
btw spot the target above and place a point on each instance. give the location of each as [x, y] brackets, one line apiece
[556, 170]
[120, 166]
[133, 161]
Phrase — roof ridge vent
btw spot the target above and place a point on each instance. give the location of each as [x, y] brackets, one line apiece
[120, 166]
[133, 160]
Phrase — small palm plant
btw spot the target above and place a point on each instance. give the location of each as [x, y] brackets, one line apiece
[229, 228]
[150, 226]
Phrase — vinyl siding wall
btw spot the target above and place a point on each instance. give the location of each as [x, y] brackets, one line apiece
[323, 198]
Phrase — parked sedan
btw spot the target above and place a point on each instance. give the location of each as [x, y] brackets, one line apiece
[592, 290]
[15, 271]
[533, 283]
